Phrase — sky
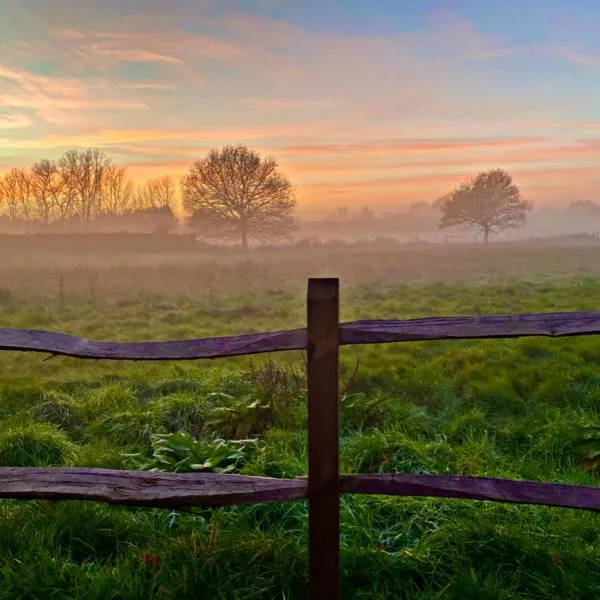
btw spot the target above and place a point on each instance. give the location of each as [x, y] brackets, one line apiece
[378, 102]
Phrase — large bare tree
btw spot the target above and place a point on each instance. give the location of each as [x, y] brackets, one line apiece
[233, 193]
[490, 202]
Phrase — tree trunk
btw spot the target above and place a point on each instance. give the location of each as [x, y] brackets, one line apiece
[486, 235]
[244, 234]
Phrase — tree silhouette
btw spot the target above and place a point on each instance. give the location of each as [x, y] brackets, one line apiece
[233, 193]
[156, 193]
[491, 202]
[85, 173]
[118, 191]
[46, 186]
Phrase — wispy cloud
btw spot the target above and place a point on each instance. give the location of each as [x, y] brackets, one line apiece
[356, 170]
[116, 137]
[414, 146]
[288, 104]
[158, 43]
[569, 55]
[110, 55]
[14, 121]
[54, 98]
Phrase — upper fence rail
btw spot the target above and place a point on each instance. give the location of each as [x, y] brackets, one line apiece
[560, 324]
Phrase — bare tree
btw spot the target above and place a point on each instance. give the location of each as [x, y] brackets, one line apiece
[491, 202]
[9, 192]
[85, 170]
[156, 193]
[235, 194]
[66, 201]
[118, 191]
[18, 197]
[46, 187]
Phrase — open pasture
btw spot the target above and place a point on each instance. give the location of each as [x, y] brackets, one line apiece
[511, 408]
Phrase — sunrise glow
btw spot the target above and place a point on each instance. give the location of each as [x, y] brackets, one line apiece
[381, 103]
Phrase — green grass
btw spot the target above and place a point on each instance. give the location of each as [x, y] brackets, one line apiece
[506, 408]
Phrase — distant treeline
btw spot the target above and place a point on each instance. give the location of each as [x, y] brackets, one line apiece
[83, 190]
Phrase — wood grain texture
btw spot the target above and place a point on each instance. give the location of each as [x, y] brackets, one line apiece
[141, 488]
[484, 327]
[173, 490]
[358, 332]
[474, 488]
[217, 347]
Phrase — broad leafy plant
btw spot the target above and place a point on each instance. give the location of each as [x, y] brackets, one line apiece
[179, 452]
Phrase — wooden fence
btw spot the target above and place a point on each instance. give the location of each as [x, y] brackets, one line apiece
[321, 339]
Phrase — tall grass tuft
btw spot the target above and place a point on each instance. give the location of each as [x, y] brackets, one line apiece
[38, 445]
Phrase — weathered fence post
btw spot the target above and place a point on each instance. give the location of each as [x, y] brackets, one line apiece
[323, 438]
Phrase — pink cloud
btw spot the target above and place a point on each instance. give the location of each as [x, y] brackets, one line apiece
[156, 42]
[385, 147]
[149, 85]
[106, 138]
[68, 34]
[559, 174]
[130, 55]
[14, 121]
[287, 104]
[535, 183]
[449, 155]
[54, 98]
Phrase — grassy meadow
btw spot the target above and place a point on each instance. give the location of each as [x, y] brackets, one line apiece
[506, 408]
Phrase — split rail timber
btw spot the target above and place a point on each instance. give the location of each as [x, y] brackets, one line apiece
[321, 339]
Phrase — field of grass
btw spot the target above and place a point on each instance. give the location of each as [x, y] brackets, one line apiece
[506, 408]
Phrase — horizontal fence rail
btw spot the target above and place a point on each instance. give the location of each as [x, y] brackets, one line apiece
[474, 488]
[355, 333]
[186, 490]
[150, 489]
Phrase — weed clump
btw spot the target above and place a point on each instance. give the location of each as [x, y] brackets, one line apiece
[101, 455]
[58, 410]
[110, 398]
[180, 412]
[125, 428]
[470, 423]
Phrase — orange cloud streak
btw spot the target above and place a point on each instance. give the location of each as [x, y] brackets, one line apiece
[413, 146]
